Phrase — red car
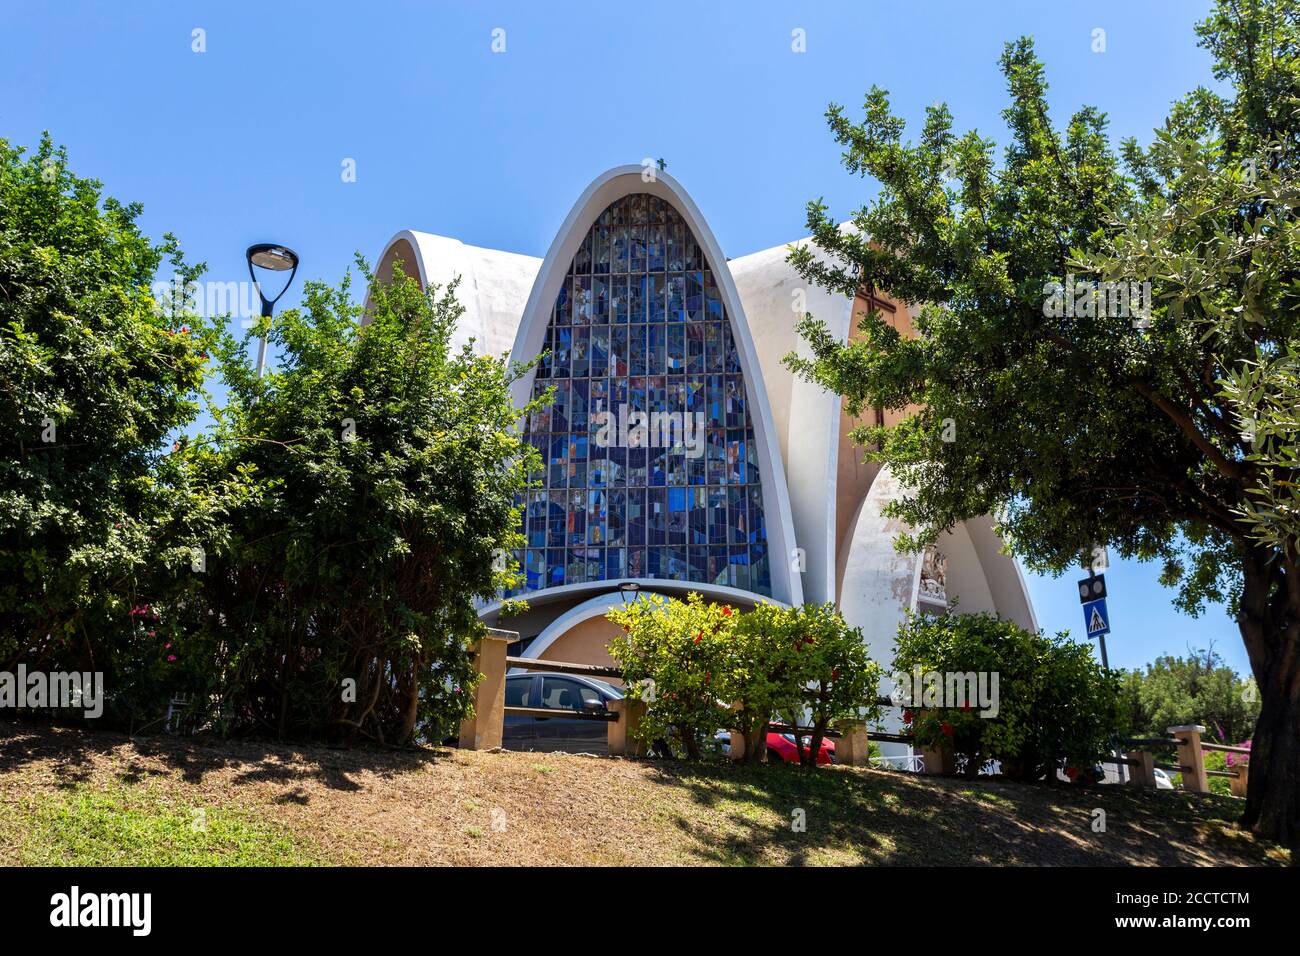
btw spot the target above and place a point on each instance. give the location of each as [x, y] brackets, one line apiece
[782, 747]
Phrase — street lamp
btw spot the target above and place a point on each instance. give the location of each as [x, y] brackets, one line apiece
[628, 590]
[274, 258]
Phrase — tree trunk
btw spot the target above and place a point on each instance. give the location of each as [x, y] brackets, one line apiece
[410, 707]
[691, 742]
[756, 743]
[815, 744]
[1270, 626]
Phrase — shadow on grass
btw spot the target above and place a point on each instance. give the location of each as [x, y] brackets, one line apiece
[72, 753]
[748, 815]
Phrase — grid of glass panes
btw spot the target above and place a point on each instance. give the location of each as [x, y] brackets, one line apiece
[640, 323]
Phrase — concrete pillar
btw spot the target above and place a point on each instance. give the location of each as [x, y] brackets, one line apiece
[483, 730]
[1143, 771]
[623, 739]
[852, 749]
[1191, 756]
[737, 746]
[940, 761]
[1238, 783]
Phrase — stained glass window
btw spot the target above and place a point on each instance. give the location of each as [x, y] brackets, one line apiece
[649, 463]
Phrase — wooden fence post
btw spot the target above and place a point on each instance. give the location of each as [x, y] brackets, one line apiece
[1190, 755]
[1143, 771]
[483, 731]
[1239, 782]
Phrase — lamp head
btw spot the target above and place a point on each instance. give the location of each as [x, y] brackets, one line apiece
[274, 258]
[266, 255]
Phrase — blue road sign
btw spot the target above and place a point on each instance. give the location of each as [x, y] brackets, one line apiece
[1095, 618]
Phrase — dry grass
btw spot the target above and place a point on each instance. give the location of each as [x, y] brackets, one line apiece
[75, 797]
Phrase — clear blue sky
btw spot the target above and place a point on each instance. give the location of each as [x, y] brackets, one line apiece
[245, 141]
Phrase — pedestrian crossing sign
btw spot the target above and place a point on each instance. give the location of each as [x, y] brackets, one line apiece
[1096, 618]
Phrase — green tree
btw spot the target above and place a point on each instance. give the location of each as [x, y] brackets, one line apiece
[1089, 424]
[760, 676]
[673, 654]
[702, 666]
[99, 509]
[818, 666]
[1197, 689]
[377, 472]
[1054, 704]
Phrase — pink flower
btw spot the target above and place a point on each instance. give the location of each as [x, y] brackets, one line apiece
[171, 657]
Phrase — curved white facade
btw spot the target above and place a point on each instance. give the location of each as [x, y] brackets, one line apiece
[820, 519]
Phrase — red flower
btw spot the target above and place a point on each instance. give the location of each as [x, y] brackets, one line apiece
[907, 716]
[947, 729]
[726, 611]
[699, 636]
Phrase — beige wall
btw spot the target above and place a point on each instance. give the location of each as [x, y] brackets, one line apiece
[585, 643]
[399, 250]
[854, 475]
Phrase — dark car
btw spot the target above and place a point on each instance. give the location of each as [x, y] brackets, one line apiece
[564, 694]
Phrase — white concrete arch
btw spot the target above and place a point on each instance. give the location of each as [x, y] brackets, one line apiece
[493, 284]
[668, 586]
[881, 584]
[596, 607]
[530, 339]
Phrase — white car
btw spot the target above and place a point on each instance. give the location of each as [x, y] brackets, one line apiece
[1162, 780]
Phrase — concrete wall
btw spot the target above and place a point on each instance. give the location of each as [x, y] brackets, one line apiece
[585, 643]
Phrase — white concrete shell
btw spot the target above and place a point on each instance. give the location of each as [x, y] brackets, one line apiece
[820, 498]
[493, 286]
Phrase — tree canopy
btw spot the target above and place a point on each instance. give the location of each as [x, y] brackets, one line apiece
[1143, 409]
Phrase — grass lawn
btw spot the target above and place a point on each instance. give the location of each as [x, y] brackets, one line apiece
[71, 797]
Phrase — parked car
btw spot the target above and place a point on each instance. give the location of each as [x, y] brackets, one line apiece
[782, 747]
[1163, 781]
[565, 694]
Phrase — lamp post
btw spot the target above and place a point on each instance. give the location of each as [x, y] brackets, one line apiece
[274, 258]
[628, 590]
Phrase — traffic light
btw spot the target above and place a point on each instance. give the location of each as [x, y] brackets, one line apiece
[1092, 588]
